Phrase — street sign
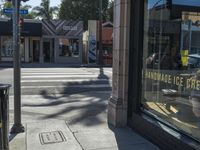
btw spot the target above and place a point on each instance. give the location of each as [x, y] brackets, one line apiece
[23, 12]
[10, 11]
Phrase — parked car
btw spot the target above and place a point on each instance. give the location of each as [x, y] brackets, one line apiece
[194, 61]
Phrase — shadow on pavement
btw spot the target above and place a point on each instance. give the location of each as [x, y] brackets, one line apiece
[85, 112]
[75, 109]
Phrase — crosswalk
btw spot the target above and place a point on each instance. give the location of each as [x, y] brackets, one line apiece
[36, 81]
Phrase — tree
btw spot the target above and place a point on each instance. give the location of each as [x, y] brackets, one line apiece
[110, 11]
[6, 5]
[82, 10]
[30, 15]
[45, 11]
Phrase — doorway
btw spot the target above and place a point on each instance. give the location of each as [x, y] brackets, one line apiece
[36, 50]
[46, 51]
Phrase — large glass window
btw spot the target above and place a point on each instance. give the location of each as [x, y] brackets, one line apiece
[68, 47]
[6, 47]
[22, 48]
[171, 63]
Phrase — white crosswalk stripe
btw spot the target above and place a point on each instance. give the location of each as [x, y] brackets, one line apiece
[53, 73]
[63, 80]
[74, 86]
[55, 76]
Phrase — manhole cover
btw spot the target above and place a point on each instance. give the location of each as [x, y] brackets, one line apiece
[51, 137]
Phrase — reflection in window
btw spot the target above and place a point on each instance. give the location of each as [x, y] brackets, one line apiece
[171, 67]
[6, 47]
[22, 47]
[68, 47]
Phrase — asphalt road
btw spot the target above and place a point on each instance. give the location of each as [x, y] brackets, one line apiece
[44, 81]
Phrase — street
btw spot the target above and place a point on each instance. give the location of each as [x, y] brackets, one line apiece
[67, 108]
[41, 81]
[60, 93]
[71, 102]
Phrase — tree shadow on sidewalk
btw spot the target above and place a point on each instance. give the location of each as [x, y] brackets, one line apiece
[87, 100]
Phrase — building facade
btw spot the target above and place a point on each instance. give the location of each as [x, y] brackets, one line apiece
[91, 42]
[156, 71]
[31, 31]
[45, 41]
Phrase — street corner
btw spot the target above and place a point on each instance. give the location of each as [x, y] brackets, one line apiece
[17, 141]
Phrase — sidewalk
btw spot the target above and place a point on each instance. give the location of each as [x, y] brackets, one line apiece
[59, 135]
[71, 122]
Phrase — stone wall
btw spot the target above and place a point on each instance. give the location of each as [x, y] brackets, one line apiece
[117, 107]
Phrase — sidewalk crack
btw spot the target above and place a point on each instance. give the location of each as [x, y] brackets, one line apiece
[74, 136]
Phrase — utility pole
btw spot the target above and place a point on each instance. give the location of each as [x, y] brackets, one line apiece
[17, 127]
[100, 33]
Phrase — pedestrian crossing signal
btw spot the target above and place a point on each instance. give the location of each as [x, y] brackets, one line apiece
[21, 22]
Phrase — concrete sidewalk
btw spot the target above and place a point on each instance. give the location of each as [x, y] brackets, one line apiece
[71, 122]
[59, 135]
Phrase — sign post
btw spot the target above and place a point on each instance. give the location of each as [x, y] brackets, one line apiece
[17, 127]
[100, 60]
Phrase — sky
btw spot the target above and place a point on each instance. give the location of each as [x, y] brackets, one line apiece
[187, 2]
[34, 3]
[179, 2]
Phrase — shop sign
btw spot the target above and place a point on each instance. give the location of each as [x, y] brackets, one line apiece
[92, 49]
[67, 28]
[70, 28]
[183, 81]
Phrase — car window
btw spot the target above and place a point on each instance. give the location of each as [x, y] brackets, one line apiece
[193, 60]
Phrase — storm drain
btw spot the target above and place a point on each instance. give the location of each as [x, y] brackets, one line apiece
[51, 137]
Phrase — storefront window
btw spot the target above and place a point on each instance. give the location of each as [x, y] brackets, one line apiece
[69, 47]
[22, 49]
[36, 50]
[171, 63]
[6, 47]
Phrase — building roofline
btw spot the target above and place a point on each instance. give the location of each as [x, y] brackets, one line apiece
[107, 23]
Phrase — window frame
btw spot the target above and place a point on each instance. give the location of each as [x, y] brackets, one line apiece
[136, 114]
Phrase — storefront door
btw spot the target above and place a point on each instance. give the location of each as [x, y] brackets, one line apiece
[36, 50]
[47, 51]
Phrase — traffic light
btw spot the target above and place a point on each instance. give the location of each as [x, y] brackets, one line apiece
[169, 4]
[21, 21]
[21, 24]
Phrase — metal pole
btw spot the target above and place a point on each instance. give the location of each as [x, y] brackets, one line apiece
[17, 127]
[190, 35]
[100, 33]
